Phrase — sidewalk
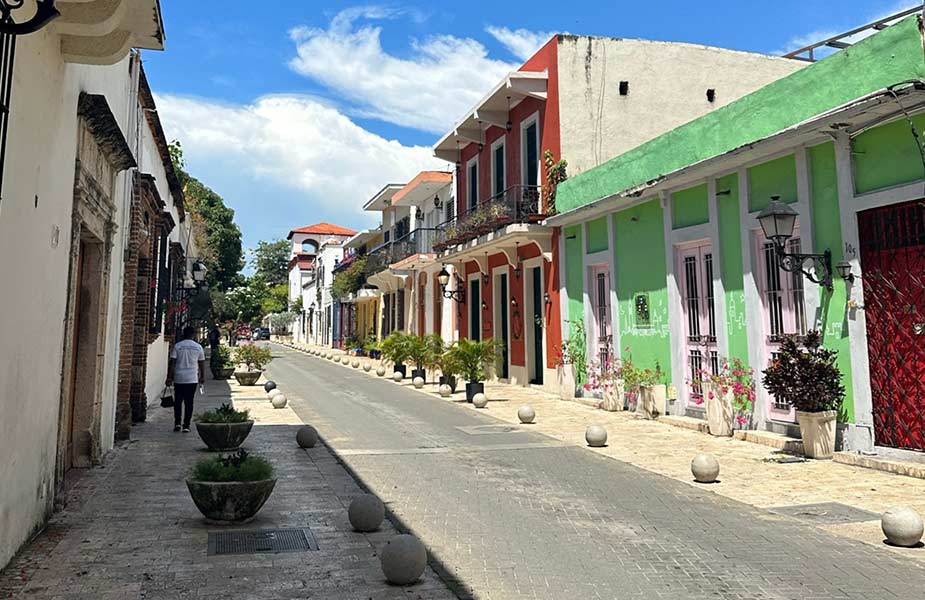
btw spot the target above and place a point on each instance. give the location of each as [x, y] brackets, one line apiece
[131, 531]
[746, 474]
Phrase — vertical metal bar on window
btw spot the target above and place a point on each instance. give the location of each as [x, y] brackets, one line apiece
[7, 56]
[794, 246]
[693, 298]
[708, 288]
[772, 278]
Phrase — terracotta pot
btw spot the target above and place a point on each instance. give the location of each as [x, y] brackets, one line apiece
[719, 410]
[247, 377]
[224, 436]
[818, 432]
[230, 502]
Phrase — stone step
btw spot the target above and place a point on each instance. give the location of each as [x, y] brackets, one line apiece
[879, 463]
[769, 438]
[685, 422]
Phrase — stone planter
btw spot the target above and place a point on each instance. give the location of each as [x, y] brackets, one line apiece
[614, 397]
[474, 388]
[818, 432]
[652, 401]
[221, 374]
[230, 502]
[247, 377]
[719, 410]
[450, 381]
[565, 378]
[224, 437]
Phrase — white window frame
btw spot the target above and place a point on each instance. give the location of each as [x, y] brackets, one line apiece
[474, 160]
[532, 119]
[499, 143]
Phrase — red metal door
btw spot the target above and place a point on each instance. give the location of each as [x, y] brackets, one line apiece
[893, 261]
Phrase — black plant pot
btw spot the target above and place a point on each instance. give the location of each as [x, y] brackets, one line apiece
[474, 388]
[450, 381]
[422, 373]
[401, 368]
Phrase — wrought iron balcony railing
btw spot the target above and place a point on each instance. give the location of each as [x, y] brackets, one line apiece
[516, 204]
[378, 259]
[419, 241]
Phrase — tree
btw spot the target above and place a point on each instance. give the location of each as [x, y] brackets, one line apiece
[275, 298]
[271, 261]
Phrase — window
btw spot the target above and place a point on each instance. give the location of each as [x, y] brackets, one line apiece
[449, 206]
[530, 151]
[497, 168]
[472, 183]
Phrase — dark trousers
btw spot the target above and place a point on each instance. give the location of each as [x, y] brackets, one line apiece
[183, 396]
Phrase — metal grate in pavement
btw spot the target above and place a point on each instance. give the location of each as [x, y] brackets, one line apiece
[265, 541]
[490, 429]
[827, 513]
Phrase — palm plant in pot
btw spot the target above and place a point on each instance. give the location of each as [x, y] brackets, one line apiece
[224, 428]
[231, 488]
[253, 358]
[472, 358]
[805, 375]
[394, 349]
[220, 363]
[438, 358]
[417, 354]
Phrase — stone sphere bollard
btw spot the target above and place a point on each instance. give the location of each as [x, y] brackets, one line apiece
[355, 364]
[307, 437]
[418, 382]
[366, 513]
[279, 401]
[397, 376]
[367, 367]
[403, 559]
[902, 526]
[480, 400]
[705, 468]
[269, 385]
[274, 392]
[380, 371]
[526, 414]
[445, 390]
[596, 436]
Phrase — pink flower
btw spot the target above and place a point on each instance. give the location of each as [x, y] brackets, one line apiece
[741, 419]
[711, 395]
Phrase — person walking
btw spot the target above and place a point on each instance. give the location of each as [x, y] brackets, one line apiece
[185, 370]
[215, 338]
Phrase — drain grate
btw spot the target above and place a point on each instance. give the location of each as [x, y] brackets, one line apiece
[489, 429]
[827, 513]
[265, 541]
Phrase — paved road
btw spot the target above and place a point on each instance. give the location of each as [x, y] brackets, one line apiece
[520, 515]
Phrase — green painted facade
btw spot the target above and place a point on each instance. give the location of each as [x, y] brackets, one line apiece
[887, 156]
[689, 207]
[597, 235]
[730, 259]
[774, 178]
[640, 232]
[574, 279]
[891, 56]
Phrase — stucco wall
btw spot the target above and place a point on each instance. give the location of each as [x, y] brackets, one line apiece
[668, 84]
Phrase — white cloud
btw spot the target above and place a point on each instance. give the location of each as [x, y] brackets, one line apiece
[441, 78]
[522, 43]
[293, 142]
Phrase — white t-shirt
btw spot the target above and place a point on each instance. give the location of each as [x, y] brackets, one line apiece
[187, 355]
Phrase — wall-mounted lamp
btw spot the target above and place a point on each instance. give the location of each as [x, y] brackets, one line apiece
[459, 294]
[514, 302]
[844, 271]
[546, 298]
[518, 270]
[486, 278]
[509, 125]
[777, 221]
[484, 305]
[437, 202]
[418, 214]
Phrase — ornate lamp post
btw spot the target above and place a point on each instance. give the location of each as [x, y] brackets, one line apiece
[777, 221]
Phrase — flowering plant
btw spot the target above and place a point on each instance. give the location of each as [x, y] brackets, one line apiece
[735, 377]
[572, 349]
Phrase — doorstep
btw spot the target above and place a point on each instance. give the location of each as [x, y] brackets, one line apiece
[765, 438]
[685, 423]
[879, 463]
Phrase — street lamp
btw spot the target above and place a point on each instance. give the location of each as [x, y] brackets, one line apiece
[199, 272]
[443, 278]
[778, 220]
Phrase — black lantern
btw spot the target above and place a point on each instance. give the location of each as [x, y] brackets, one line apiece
[437, 202]
[844, 271]
[778, 220]
[443, 278]
[509, 125]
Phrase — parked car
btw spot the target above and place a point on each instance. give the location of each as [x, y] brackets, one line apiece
[261, 333]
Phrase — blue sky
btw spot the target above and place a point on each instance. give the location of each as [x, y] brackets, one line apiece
[298, 112]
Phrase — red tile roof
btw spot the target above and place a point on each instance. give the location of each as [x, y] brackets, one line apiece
[322, 229]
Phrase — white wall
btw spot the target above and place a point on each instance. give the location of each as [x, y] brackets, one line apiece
[668, 82]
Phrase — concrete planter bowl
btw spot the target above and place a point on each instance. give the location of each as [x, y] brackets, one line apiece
[224, 437]
[230, 503]
[247, 377]
[223, 373]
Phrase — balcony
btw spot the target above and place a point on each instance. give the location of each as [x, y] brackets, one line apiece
[419, 241]
[519, 204]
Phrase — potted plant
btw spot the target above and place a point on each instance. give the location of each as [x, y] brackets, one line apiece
[472, 358]
[651, 398]
[253, 358]
[223, 429]
[394, 349]
[417, 354]
[371, 346]
[809, 380]
[728, 396]
[232, 488]
[434, 356]
[570, 360]
[608, 378]
[220, 362]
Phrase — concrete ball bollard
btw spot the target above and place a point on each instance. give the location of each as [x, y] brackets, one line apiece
[307, 437]
[367, 367]
[596, 436]
[397, 376]
[705, 468]
[480, 400]
[269, 385]
[403, 559]
[526, 414]
[418, 382]
[902, 526]
[380, 371]
[355, 364]
[366, 513]
[274, 392]
[279, 401]
[445, 390]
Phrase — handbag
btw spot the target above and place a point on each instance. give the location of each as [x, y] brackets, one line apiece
[167, 397]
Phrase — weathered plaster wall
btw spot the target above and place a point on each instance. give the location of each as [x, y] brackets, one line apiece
[668, 85]
[776, 177]
[887, 155]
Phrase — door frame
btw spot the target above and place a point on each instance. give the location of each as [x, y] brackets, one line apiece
[496, 314]
[681, 251]
[527, 267]
[477, 278]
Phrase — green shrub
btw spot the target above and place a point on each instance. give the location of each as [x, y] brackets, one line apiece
[221, 358]
[224, 414]
[472, 357]
[805, 374]
[239, 466]
[395, 347]
[252, 355]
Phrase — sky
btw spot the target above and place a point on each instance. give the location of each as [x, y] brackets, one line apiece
[299, 112]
